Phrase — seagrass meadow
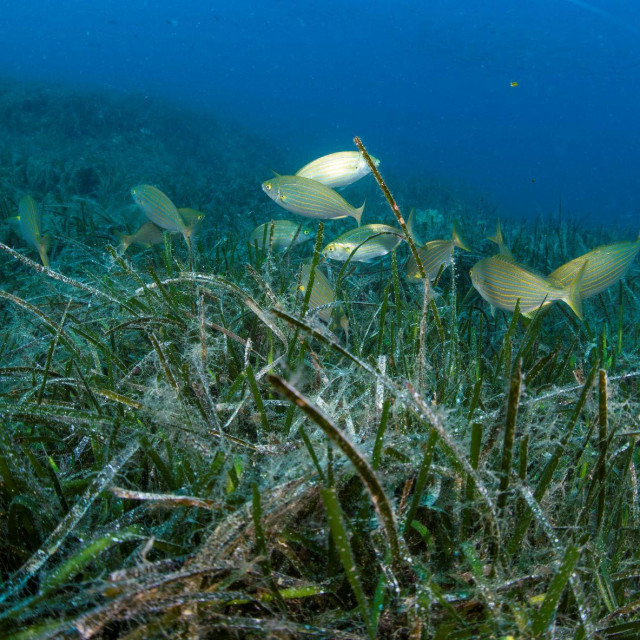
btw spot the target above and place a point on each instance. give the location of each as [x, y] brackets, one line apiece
[186, 451]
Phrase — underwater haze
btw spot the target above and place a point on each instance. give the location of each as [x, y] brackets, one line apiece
[319, 320]
[429, 85]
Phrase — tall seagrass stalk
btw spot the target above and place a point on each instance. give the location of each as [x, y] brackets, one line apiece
[453, 332]
[392, 204]
[602, 444]
[421, 341]
[509, 435]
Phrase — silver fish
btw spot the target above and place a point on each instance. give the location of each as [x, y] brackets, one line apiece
[502, 282]
[606, 265]
[281, 233]
[309, 198]
[337, 169]
[366, 243]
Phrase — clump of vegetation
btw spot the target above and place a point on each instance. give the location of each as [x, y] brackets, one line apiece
[194, 453]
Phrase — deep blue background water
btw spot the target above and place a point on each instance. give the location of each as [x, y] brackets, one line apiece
[427, 85]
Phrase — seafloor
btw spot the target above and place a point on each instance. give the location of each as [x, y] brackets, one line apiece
[185, 451]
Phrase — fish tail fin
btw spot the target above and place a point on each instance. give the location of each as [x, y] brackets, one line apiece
[456, 238]
[574, 296]
[43, 247]
[358, 213]
[344, 323]
[125, 240]
[497, 237]
[411, 227]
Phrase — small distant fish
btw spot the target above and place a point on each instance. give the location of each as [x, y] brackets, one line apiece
[501, 281]
[605, 266]
[337, 169]
[309, 198]
[499, 240]
[322, 296]
[513, 83]
[30, 227]
[146, 236]
[378, 239]
[435, 255]
[160, 210]
[283, 234]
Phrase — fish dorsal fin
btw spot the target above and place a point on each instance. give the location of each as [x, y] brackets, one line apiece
[275, 173]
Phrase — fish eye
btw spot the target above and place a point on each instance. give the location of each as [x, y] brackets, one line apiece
[330, 248]
[267, 186]
[306, 232]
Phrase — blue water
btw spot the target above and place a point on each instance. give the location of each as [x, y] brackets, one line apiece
[427, 85]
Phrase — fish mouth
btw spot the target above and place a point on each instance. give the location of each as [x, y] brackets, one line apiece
[273, 193]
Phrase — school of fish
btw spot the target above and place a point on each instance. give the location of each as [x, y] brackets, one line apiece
[311, 193]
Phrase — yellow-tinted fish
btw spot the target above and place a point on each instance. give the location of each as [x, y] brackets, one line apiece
[280, 233]
[322, 297]
[160, 210]
[29, 221]
[191, 217]
[606, 265]
[337, 169]
[309, 198]
[435, 255]
[147, 235]
[150, 233]
[501, 281]
[499, 240]
[378, 239]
